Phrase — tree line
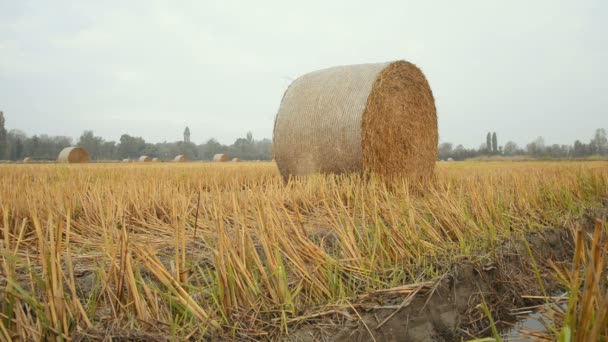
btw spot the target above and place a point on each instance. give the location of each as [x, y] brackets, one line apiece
[16, 145]
[597, 146]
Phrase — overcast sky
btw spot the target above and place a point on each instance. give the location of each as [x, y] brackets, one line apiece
[149, 68]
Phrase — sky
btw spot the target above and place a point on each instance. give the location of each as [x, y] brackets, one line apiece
[149, 68]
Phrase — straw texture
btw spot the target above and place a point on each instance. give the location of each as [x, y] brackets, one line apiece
[180, 159]
[367, 118]
[220, 157]
[73, 155]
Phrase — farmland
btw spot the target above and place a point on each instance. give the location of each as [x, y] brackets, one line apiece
[194, 250]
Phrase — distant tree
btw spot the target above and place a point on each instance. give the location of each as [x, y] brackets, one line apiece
[599, 143]
[488, 142]
[187, 135]
[445, 150]
[131, 147]
[16, 142]
[510, 148]
[188, 149]
[108, 151]
[3, 138]
[210, 148]
[537, 147]
[494, 143]
[581, 149]
[91, 144]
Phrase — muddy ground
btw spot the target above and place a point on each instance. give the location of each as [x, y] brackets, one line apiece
[450, 309]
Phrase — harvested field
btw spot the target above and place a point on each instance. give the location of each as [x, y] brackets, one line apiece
[228, 250]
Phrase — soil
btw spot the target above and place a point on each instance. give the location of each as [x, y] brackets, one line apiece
[451, 310]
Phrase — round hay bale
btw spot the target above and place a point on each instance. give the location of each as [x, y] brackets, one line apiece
[155, 160]
[236, 160]
[180, 159]
[367, 118]
[126, 160]
[73, 155]
[221, 157]
[144, 159]
[27, 160]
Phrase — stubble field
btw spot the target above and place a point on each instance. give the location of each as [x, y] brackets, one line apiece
[201, 250]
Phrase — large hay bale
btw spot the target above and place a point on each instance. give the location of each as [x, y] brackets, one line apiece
[73, 155]
[367, 118]
[180, 159]
[236, 160]
[27, 160]
[144, 159]
[221, 157]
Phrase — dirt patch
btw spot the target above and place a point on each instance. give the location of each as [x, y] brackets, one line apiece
[450, 309]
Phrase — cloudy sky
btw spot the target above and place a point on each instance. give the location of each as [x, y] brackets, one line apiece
[149, 68]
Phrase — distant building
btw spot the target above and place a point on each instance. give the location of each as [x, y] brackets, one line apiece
[187, 135]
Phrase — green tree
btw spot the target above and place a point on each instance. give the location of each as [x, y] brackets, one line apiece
[445, 150]
[599, 143]
[537, 147]
[510, 148]
[3, 138]
[91, 144]
[131, 147]
[494, 143]
[489, 142]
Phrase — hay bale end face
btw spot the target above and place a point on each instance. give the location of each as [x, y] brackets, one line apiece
[367, 118]
[145, 159]
[221, 157]
[73, 155]
[181, 159]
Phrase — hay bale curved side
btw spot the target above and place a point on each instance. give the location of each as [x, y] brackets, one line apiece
[399, 129]
[73, 155]
[181, 159]
[376, 118]
[221, 157]
[144, 159]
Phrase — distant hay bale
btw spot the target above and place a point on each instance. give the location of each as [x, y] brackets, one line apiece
[221, 157]
[155, 160]
[144, 159]
[367, 118]
[236, 160]
[27, 160]
[73, 155]
[180, 159]
[126, 160]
